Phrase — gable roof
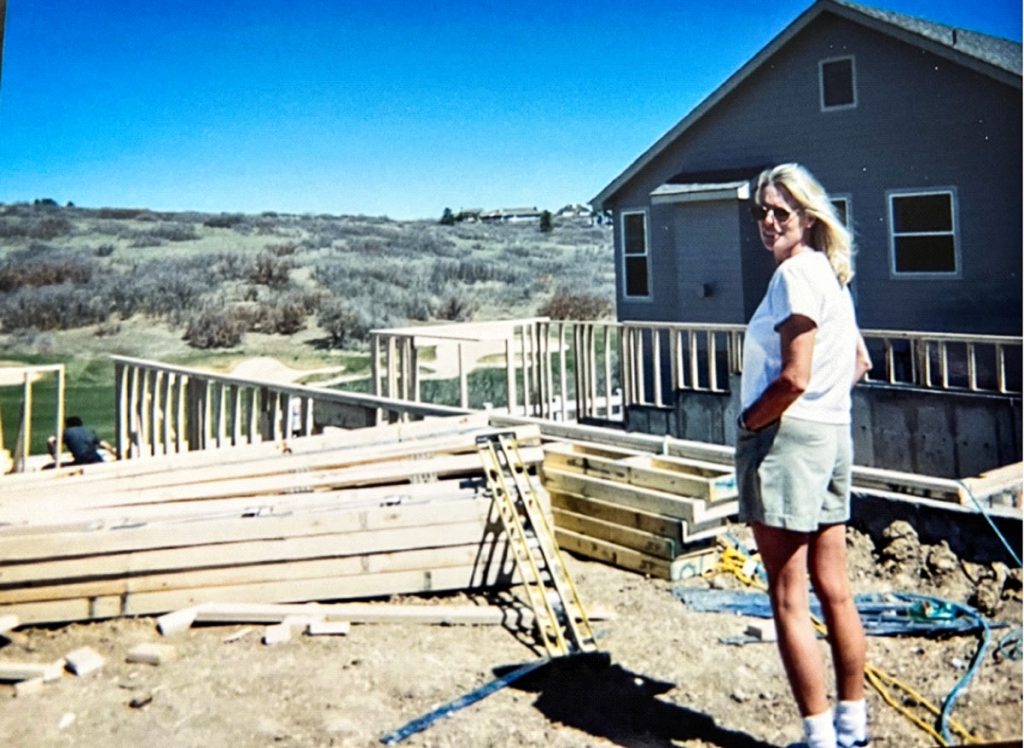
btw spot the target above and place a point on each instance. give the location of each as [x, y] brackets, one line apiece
[989, 55]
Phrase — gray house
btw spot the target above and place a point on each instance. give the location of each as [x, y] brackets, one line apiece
[914, 127]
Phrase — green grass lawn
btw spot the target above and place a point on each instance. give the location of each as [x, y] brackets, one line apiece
[88, 394]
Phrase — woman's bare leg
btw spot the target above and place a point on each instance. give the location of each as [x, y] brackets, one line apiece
[827, 557]
[785, 555]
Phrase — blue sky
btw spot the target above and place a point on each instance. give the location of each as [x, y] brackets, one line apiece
[376, 107]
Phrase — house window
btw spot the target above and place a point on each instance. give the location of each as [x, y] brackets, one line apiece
[922, 230]
[842, 206]
[634, 253]
[837, 83]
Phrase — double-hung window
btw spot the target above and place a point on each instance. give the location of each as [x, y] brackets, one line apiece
[923, 233]
[842, 205]
[635, 254]
[837, 83]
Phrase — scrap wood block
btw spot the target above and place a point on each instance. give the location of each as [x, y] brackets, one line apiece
[83, 661]
[19, 671]
[277, 633]
[176, 621]
[8, 622]
[28, 687]
[694, 563]
[328, 628]
[762, 631]
[151, 653]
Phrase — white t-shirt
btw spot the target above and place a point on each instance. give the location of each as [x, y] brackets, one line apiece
[805, 284]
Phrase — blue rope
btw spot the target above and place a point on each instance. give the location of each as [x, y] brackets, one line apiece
[979, 657]
[992, 524]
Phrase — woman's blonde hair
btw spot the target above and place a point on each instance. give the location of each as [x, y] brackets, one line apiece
[828, 234]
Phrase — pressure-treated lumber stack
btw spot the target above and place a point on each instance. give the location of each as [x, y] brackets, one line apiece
[635, 510]
[378, 511]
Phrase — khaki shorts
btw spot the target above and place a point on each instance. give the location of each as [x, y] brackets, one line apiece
[794, 474]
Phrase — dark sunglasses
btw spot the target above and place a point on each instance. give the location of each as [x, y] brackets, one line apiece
[759, 212]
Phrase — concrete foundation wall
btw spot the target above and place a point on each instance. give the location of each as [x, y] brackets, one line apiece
[941, 434]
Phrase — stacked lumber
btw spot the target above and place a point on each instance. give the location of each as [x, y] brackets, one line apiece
[649, 513]
[365, 513]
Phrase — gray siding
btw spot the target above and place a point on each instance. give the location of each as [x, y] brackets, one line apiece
[921, 122]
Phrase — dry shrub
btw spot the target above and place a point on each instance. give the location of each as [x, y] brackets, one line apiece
[215, 328]
[566, 305]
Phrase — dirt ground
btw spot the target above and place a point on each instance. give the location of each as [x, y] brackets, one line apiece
[665, 679]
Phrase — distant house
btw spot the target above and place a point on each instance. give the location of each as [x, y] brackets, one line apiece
[575, 210]
[511, 215]
[914, 127]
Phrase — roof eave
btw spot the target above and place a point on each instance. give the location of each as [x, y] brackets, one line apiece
[711, 100]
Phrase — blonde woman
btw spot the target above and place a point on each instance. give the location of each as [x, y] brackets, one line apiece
[802, 354]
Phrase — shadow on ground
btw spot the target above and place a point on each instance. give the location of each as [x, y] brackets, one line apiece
[590, 693]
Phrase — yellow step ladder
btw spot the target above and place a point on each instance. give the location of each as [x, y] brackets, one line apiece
[562, 622]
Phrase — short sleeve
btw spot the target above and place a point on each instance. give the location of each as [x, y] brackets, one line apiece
[793, 291]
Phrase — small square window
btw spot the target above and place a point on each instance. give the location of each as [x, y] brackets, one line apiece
[842, 206]
[838, 84]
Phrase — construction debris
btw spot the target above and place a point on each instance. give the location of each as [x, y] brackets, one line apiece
[151, 653]
[19, 671]
[8, 623]
[83, 661]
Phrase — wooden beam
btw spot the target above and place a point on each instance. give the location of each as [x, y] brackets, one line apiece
[614, 554]
[362, 586]
[398, 551]
[655, 524]
[636, 497]
[703, 480]
[645, 542]
[120, 552]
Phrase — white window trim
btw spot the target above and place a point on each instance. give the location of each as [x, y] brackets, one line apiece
[955, 232]
[646, 255]
[849, 207]
[821, 83]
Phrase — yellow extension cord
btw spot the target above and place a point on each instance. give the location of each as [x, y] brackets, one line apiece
[731, 561]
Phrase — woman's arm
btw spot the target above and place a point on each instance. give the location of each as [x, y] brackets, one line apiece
[797, 339]
[864, 364]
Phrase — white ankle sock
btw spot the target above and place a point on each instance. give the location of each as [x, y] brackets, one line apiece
[852, 723]
[819, 731]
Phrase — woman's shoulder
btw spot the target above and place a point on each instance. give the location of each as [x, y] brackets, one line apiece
[810, 267]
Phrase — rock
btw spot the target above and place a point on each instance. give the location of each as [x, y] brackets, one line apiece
[900, 529]
[941, 561]
[902, 546]
[739, 696]
[140, 700]
[988, 596]
[719, 582]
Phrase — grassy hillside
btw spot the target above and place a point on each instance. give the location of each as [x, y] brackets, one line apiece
[212, 289]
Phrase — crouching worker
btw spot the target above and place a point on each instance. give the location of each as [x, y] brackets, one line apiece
[82, 442]
[802, 354]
